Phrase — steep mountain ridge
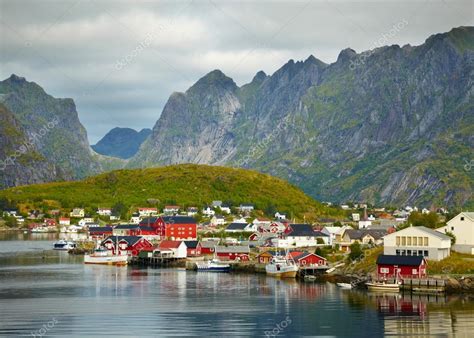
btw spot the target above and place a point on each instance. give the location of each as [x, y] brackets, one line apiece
[388, 125]
[121, 142]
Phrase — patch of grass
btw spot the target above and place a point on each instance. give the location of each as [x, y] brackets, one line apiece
[456, 263]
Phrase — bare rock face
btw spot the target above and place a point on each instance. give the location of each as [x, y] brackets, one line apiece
[390, 125]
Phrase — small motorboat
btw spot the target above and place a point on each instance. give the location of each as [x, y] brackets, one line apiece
[64, 245]
[213, 265]
[383, 286]
[103, 256]
[345, 285]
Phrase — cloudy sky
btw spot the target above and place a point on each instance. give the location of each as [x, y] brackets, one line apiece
[120, 60]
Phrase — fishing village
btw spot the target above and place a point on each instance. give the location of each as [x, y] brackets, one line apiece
[374, 248]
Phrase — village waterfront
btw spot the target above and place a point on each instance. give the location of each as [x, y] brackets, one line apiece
[47, 293]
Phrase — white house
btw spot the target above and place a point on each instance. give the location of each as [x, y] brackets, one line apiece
[192, 211]
[298, 236]
[146, 212]
[177, 248]
[246, 208]
[279, 216]
[262, 222]
[64, 221]
[216, 204]
[10, 213]
[171, 209]
[85, 220]
[239, 220]
[208, 211]
[218, 220]
[77, 213]
[115, 217]
[356, 217]
[344, 207]
[135, 219]
[418, 241]
[104, 211]
[333, 233]
[225, 208]
[462, 226]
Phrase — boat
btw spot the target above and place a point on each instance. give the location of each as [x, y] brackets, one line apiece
[213, 265]
[281, 267]
[383, 286]
[345, 285]
[62, 244]
[309, 278]
[103, 256]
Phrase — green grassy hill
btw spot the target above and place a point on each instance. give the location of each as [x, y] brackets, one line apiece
[185, 185]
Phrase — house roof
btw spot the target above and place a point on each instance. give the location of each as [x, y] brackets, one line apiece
[146, 228]
[360, 233]
[399, 260]
[208, 244]
[232, 249]
[131, 240]
[148, 220]
[126, 226]
[426, 230]
[100, 229]
[272, 252]
[170, 244]
[236, 226]
[305, 254]
[467, 214]
[303, 230]
[191, 244]
[179, 219]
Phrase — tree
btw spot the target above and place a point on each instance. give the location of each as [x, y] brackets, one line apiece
[356, 251]
[453, 237]
[270, 210]
[319, 241]
[429, 220]
[11, 222]
[121, 209]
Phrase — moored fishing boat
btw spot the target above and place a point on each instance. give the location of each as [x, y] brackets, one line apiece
[281, 267]
[214, 265]
[64, 245]
[103, 256]
[345, 285]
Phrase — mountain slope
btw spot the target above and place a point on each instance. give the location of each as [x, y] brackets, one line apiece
[20, 162]
[121, 142]
[185, 185]
[53, 125]
[389, 125]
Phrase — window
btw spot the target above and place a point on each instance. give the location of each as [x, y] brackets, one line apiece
[420, 252]
[404, 241]
[425, 243]
[462, 218]
[420, 241]
[408, 252]
[402, 253]
[397, 252]
[414, 271]
[384, 270]
[414, 240]
[398, 240]
[452, 228]
[425, 253]
[409, 241]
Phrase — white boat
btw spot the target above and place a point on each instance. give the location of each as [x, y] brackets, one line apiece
[345, 285]
[64, 245]
[310, 278]
[383, 286]
[281, 267]
[213, 265]
[103, 256]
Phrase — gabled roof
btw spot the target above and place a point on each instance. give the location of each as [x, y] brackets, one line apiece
[361, 233]
[179, 219]
[191, 244]
[467, 214]
[147, 228]
[131, 240]
[208, 244]
[273, 252]
[236, 226]
[170, 244]
[304, 255]
[302, 230]
[126, 226]
[148, 220]
[233, 249]
[399, 260]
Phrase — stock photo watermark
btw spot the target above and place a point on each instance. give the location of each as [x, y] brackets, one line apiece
[45, 328]
[279, 328]
[382, 41]
[29, 144]
[468, 165]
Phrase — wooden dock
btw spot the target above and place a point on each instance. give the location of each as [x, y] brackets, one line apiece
[158, 262]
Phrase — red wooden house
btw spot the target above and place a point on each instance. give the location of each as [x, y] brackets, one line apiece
[208, 247]
[174, 227]
[233, 253]
[130, 245]
[193, 248]
[393, 266]
[307, 259]
[100, 232]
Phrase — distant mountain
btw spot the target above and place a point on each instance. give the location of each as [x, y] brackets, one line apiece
[391, 125]
[121, 142]
[20, 161]
[53, 126]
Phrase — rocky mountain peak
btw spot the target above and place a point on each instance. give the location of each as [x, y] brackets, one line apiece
[216, 79]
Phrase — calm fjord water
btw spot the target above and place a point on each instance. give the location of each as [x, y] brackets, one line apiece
[56, 293]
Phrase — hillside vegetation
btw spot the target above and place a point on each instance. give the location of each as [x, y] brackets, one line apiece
[185, 185]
